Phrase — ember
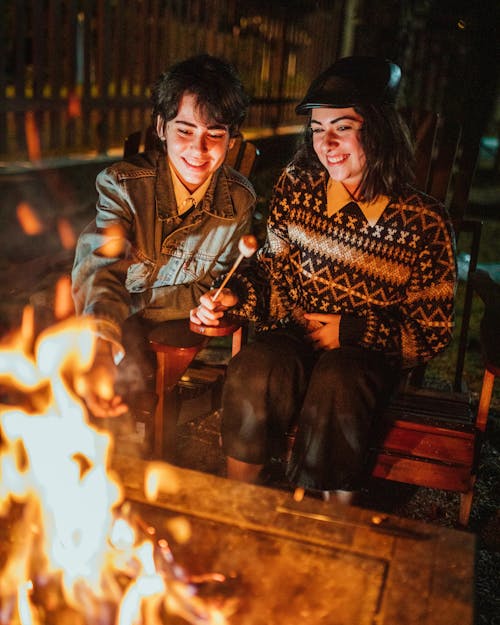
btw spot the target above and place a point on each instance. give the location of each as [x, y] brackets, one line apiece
[77, 553]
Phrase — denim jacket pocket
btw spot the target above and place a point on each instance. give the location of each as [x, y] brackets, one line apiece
[183, 269]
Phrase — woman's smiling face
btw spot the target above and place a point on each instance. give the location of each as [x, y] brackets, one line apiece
[196, 147]
[337, 143]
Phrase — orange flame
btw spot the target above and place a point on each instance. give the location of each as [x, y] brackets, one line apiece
[66, 234]
[28, 219]
[32, 136]
[74, 526]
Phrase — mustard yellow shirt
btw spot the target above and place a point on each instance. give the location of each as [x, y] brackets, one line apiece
[184, 198]
[338, 196]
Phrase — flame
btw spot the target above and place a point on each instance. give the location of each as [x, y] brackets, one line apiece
[66, 233]
[63, 301]
[74, 529]
[32, 136]
[28, 219]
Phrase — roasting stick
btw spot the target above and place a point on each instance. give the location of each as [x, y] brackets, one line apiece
[247, 246]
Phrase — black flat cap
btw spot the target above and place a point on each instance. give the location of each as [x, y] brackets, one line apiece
[351, 81]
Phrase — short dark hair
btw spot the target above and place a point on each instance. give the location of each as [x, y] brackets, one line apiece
[214, 83]
[389, 151]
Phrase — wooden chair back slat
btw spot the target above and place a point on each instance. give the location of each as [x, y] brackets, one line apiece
[437, 142]
[234, 152]
[444, 159]
[132, 144]
[425, 139]
[248, 156]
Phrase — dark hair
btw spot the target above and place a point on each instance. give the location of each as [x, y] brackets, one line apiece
[388, 148]
[215, 84]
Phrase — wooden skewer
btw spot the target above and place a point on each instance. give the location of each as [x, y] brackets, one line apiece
[247, 246]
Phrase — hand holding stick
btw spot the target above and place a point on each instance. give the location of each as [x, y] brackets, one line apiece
[247, 246]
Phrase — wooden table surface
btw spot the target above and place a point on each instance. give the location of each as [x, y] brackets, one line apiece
[310, 562]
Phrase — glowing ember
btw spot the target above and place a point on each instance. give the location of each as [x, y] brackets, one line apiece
[77, 548]
[28, 219]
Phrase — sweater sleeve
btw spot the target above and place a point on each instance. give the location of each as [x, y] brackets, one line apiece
[266, 287]
[420, 325]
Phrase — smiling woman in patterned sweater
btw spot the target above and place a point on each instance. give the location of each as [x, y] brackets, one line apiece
[354, 284]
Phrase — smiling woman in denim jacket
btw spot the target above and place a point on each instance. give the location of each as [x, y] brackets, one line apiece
[168, 224]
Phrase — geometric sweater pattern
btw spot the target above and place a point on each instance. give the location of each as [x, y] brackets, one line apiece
[392, 283]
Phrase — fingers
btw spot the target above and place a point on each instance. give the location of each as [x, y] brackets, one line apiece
[324, 337]
[102, 408]
[209, 312]
[204, 316]
[97, 388]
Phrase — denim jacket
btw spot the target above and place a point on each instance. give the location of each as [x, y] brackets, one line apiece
[139, 257]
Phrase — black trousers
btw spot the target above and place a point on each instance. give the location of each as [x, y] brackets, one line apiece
[334, 397]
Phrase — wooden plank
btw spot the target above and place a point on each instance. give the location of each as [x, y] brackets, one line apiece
[435, 407]
[247, 160]
[447, 446]
[233, 153]
[422, 473]
[442, 166]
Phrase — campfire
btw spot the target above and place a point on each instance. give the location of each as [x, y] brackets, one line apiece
[76, 551]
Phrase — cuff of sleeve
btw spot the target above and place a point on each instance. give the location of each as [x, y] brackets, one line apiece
[110, 331]
[351, 329]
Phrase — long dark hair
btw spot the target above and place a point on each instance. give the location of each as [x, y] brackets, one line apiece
[388, 148]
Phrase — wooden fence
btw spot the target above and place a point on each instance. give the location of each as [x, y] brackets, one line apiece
[75, 75]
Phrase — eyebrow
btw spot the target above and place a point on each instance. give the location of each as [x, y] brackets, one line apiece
[211, 127]
[337, 119]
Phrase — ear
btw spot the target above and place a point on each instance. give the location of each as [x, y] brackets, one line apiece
[231, 143]
[160, 127]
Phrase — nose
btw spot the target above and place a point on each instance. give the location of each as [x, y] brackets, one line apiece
[199, 143]
[331, 139]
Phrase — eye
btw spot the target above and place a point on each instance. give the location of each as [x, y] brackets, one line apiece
[315, 130]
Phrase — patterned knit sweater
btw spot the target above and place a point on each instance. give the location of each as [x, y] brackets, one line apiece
[392, 283]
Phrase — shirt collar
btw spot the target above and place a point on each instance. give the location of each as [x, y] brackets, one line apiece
[184, 198]
[338, 197]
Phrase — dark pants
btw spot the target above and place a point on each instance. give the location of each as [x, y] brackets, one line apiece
[333, 396]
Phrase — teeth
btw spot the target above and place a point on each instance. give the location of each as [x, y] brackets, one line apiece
[333, 160]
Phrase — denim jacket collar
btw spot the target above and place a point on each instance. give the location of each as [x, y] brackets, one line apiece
[166, 206]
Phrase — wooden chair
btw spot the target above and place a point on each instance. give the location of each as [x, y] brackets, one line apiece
[433, 439]
[178, 374]
[176, 344]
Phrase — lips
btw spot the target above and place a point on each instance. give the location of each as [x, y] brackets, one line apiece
[337, 160]
[195, 165]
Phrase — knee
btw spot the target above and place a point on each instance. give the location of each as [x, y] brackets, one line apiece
[246, 375]
[338, 366]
